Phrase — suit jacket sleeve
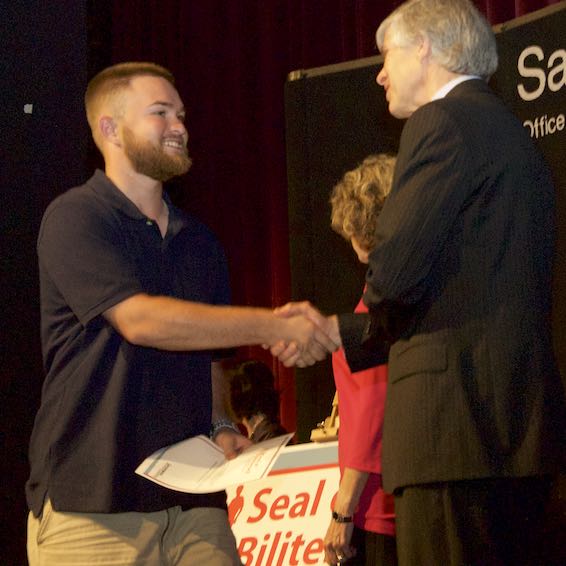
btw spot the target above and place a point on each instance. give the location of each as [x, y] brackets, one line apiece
[430, 188]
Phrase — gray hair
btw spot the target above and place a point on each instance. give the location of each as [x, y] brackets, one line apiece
[462, 40]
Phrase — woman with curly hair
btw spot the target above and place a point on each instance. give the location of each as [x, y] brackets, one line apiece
[362, 529]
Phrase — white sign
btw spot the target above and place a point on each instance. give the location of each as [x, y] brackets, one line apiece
[282, 519]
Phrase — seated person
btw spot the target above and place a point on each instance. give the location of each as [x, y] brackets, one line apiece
[255, 401]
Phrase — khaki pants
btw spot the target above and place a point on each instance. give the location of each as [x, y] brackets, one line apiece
[165, 538]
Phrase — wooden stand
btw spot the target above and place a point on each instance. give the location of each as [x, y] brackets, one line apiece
[328, 429]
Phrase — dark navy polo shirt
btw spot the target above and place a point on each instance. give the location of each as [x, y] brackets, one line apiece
[107, 404]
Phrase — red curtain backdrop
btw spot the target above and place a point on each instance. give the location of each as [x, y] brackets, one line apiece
[231, 59]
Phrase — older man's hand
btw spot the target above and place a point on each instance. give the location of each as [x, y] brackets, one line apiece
[303, 353]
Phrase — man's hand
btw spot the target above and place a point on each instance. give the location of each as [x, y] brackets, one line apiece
[231, 442]
[326, 336]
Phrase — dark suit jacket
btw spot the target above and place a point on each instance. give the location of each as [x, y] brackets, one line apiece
[460, 286]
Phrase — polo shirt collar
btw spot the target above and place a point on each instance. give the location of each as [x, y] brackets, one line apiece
[114, 197]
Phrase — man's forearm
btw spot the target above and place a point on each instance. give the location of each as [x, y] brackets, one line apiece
[173, 324]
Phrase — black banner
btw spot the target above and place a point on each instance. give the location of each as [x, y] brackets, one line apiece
[531, 79]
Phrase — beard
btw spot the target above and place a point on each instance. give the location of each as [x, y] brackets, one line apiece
[152, 160]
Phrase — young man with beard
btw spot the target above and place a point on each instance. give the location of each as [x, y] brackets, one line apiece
[134, 298]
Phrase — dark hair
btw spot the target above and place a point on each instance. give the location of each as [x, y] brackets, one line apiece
[252, 391]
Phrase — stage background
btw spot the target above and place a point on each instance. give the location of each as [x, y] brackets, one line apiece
[231, 58]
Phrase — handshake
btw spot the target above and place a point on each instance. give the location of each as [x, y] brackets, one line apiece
[308, 335]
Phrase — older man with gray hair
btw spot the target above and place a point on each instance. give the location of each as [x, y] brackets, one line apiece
[459, 294]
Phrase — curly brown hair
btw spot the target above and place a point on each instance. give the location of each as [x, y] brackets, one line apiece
[358, 199]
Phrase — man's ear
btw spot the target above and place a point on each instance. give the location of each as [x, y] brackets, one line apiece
[425, 48]
[109, 130]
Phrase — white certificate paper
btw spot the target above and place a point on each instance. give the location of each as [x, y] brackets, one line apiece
[198, 465]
